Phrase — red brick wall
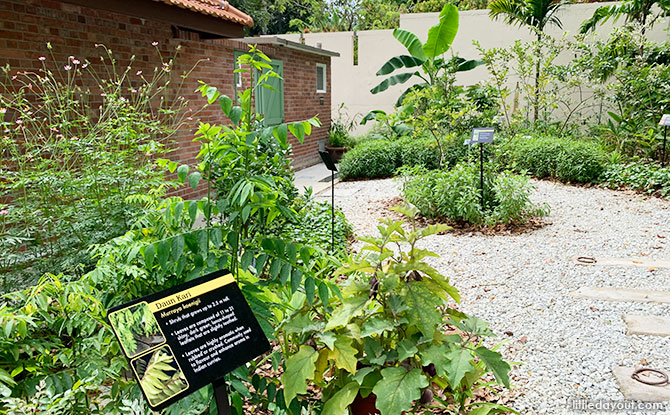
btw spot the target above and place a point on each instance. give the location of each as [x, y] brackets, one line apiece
[27, 25]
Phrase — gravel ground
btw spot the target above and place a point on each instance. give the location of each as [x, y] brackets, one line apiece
[521, 284]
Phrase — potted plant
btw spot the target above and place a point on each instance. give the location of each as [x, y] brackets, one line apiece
[339, 140]
[392, 344]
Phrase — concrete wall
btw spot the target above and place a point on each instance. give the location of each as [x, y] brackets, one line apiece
[351, 84]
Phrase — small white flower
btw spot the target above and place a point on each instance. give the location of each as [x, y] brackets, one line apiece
[42, 58]
[67, 67]
[3, 110]
[154, 43]
[76, 62]
[139, 73]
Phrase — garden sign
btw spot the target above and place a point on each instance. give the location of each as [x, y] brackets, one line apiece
[481, 136]
[185, 337]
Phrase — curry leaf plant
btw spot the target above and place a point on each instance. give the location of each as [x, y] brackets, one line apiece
[394, 336]
[425, 56]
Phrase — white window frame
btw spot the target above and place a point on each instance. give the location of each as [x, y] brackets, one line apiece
[325, 78]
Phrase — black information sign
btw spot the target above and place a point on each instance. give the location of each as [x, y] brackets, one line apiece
[327, 160]
[480, 136]
[188, 336]
[665, 120]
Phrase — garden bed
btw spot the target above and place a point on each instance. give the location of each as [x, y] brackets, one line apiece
[521, 284]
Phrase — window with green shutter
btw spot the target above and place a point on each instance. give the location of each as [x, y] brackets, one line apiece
[270, 102]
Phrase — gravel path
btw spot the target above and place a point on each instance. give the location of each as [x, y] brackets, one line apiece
[521, 285]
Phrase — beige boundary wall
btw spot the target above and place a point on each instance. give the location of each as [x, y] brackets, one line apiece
[351, 83]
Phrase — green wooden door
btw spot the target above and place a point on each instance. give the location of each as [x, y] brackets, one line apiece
[270, 102]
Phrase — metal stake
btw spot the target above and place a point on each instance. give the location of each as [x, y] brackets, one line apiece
[221, 397]
[481, 172]
[332, 224]
[665, 137]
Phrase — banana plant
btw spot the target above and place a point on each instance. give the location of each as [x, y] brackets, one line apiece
[424, 56]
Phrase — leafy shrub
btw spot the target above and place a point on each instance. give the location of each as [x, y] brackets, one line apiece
[370, 159]
[455, 194]
[381, 158]
[313, 227]
[647, 178]
[566, 160]
[418, 152]
[385, 334]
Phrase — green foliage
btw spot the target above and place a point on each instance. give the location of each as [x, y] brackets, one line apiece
[385, 334]
[381, 158]
[564, 159]
[643, 12]
[54, 336]
[370, 159]
[340, 127]
[72, 155]
[426, 55]
[312, 226]
[648, 178]
[160, 378]
[455, 194]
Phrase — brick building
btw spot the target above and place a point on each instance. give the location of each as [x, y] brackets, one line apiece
[207, 30]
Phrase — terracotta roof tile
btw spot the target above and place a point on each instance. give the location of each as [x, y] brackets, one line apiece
[216, 8]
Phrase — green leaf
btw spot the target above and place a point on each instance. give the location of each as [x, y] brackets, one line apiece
[482, 410]
[438, 356]
[423, 304]
[411, 42]
[400, 78]
[298, 131]
[376, 325]
[299, 368]
[285, 273]
[163, 254]
[459, 364]
[149, 252]
[324, 294]
[281, 133]
[441, 36]
[305, 255]
[194, 179]
[406, 349]
[467, 65]
[177, 247]
[328, 338]
[351, 307]
[310, 289]
[235, 115]
[398, 389]
[226, 104]
[495, 364]
[338, 404]
[296, 279]
[182, 171]
[345, 354]
[397, 62]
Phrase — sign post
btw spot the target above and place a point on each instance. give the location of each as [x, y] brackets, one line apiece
[481, 136]
[665, 122]
[183, 338]
[330, 165]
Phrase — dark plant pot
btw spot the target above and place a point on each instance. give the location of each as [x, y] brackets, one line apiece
[364, 406]
[336, 153]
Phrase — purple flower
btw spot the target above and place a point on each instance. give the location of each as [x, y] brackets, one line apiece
[76, 61]
[4, 212]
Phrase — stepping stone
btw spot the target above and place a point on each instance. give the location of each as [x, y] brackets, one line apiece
[625, 262]
[647, 325]
[637, 391]
[622, 294]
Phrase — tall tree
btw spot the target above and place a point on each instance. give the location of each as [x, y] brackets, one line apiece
[536, 15]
